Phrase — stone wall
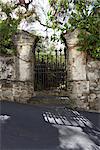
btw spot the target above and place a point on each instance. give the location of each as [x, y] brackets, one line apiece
[15, 91]
[93, 76]
[87, 92]
[11, 88]
[83, 82]
[16, 73]
[7, 68]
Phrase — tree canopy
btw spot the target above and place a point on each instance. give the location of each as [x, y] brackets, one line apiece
[8, 27]
[11, 15]
[84, 15]
[63, 16]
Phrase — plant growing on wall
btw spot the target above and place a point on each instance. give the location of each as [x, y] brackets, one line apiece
[84, 15]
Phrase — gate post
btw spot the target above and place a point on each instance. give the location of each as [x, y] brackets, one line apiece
[24, 87]
[77, 84]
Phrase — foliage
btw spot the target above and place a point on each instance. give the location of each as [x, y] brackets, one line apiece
[8, 27]
[67, 15]
[11, 16]
[46, 49]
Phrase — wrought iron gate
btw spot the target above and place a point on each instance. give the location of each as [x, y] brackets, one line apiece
[50, 70]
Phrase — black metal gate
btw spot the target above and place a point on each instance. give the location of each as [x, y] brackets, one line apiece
[50, 70]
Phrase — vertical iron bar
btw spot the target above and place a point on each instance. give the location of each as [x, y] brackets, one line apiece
[47, 73]
[65, 75]
[38, 51]
[65, 54]
[56, 56]
[56, 69]
[42, 73]
[51, 71]
[60, 56]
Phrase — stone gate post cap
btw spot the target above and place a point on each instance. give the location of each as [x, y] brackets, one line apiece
[24, 37]
[71, 37]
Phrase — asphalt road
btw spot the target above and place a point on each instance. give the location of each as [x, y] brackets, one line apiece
[27, 127]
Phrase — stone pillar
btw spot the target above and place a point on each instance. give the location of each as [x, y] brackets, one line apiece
[24, 88]
[78, 86]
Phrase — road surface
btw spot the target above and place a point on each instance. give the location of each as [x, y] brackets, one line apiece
[27, 127]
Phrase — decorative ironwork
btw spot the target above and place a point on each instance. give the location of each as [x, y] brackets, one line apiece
[50, 70]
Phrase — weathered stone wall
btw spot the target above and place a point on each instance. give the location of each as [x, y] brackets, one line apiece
[93, 76]
[15, 91]
[16, 73]
[7, 68]
[83, 76]
[87, 92]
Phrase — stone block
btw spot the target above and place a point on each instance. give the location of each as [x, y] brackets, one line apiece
[93, 84]
[92, 64]
[7, 94]
[76, 65]
[98, 96]
[92, 97]
[7, 67]
[92, 105]
[0, 94]
[84, 98]
[93, 75]
[82, 104]
[71, 37]
[79, 87]
[24, 37]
